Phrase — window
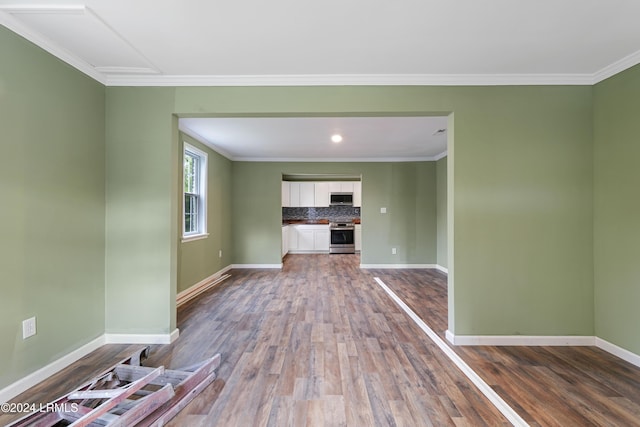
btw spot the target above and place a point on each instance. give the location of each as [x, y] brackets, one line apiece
[194, 176]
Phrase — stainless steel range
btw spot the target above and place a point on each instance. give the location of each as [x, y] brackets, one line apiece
[342, 238]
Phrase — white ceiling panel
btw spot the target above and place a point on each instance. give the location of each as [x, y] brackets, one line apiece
[82, 33]
[309, 138]
[231, 42]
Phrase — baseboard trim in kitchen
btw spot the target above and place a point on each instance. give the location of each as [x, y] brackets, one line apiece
[398, 266]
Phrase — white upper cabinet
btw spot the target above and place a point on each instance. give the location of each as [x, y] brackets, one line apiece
[357, 194]
[322, 194]
[346, 187]
[301, 194]
[294, 194]
[334, 187]
[317, 194]
[307, 194]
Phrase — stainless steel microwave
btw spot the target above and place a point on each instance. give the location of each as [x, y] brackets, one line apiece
[341, 199]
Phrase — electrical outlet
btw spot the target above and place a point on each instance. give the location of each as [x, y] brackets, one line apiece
[383, 210]
[394, 251]
[220, 254]
[28, 328]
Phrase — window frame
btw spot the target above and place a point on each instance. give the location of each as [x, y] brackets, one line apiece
[201, 213]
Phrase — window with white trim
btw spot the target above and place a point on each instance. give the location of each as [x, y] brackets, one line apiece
[194, 177]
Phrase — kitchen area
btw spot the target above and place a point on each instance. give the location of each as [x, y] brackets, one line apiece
[321, 215]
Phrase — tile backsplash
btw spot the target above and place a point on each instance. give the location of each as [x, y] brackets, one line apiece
[332, 213]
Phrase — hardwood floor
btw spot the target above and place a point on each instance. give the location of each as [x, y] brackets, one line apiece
[320, 343]
[547, 386]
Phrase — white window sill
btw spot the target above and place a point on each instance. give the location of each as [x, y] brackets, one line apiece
[193, 237]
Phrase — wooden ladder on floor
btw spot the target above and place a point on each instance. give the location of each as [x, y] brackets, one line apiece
[127, 394]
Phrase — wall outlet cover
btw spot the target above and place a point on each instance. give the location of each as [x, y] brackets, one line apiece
[28, 328]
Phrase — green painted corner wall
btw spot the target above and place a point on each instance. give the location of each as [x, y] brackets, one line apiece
[406, 189]
[141, 215]
[441, 212]
[200, 259]
[617, 209]
[52, 212]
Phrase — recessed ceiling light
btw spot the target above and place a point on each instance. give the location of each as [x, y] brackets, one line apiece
[336, 138]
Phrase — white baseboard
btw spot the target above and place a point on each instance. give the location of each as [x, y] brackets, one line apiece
[240, 266]
[206, 283]
[620, 352]
[142, 338]
[537, 340]
[397, 266]
[445, 270]
[521, 340]
[45, 372]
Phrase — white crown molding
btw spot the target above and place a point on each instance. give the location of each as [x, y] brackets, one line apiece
[333, 159]
[617, 67]
[127, 70]
[440, 156]
[354, 80]
[201, 139]
[44, 43]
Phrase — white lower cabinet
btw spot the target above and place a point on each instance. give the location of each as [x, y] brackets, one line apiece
[321, 239]
[357, 237]
[308, 238]
[305, 238]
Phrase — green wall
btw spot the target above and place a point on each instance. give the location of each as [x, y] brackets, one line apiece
[520, 196]
[199, 259]
[406, 189]
[142, 210]
[441, 214]
[52, 212]
[521, 193]
[617, 209]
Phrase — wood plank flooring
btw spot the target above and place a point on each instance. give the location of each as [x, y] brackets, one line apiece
[547, 386]
[319, 343]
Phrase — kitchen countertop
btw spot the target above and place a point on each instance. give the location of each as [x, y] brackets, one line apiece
[311, 221]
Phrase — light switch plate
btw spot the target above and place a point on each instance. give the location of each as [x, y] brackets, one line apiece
[383, 210]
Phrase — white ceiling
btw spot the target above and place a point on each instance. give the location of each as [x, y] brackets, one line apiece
[332, 42]
[193, 42]
[309, 138]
